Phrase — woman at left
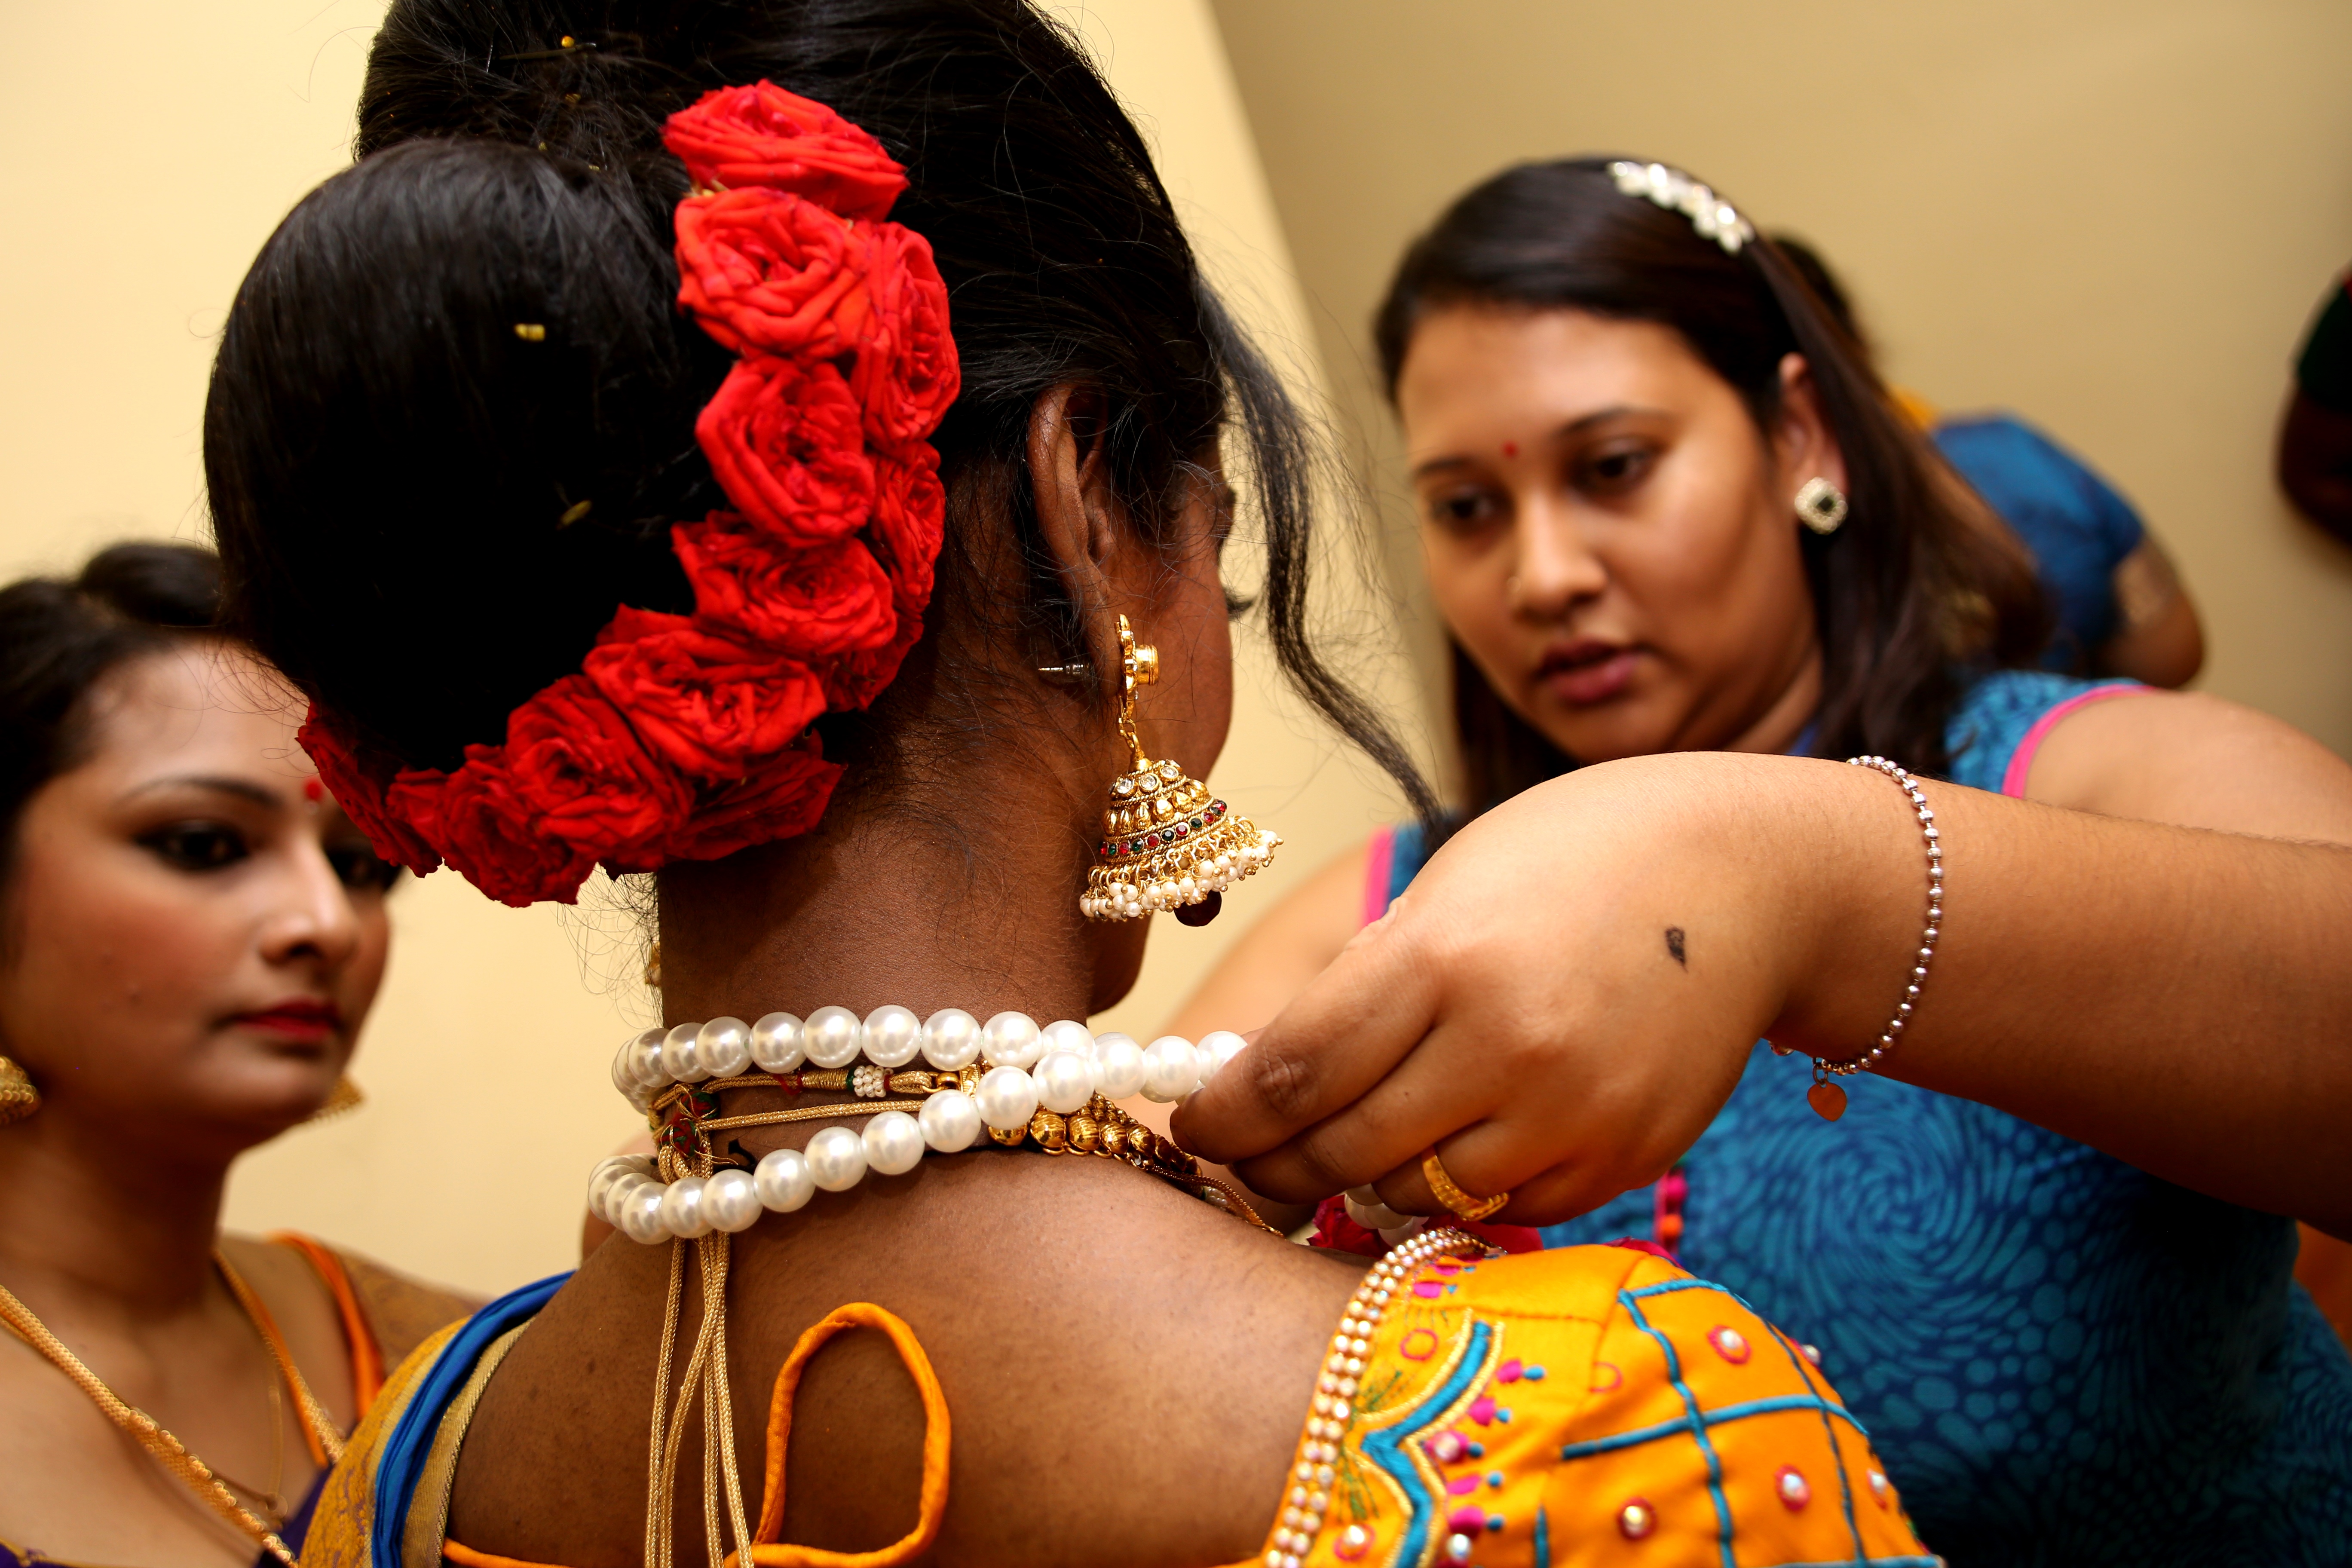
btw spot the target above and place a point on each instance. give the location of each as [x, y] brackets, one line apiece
[191, 935]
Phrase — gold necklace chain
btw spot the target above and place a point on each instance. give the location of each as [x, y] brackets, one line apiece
[209, 1486]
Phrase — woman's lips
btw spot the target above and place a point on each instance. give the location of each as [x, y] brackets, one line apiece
[298, 1019]
[1585, 673]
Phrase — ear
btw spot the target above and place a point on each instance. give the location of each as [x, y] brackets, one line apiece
[1105, 568]
[1801, 438]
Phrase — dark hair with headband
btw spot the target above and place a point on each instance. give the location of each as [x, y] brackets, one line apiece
[1919, 589]
[387, 470]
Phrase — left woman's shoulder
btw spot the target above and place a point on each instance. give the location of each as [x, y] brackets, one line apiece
[1527, 1408]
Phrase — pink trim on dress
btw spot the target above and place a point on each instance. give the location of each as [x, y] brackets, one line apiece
[1380, 857]
[2020, 760]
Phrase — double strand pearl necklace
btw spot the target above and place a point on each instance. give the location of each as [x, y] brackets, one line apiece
[1007, 1081]
[1052, 1087]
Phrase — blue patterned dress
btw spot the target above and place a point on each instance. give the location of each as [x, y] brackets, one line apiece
[2063, 1359]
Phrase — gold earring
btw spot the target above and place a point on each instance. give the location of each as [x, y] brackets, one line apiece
[1167, 844]
[345, 1096]
[1820, 505]
[18, 1098]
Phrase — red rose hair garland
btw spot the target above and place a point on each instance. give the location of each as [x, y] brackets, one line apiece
[687, 737]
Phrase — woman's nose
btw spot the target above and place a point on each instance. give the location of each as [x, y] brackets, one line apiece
[314, 919]
[1557, 568]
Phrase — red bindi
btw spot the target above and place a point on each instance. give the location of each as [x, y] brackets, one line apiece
[313, 791]
[1510, 448]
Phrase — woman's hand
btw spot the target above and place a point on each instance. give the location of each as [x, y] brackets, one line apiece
[2159, 963]
[1572, 987]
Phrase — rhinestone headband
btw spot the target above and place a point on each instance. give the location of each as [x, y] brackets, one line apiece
[1714, 217]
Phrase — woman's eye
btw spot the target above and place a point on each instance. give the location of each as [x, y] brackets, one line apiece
[198, 846]
[1464, 509]
[1615, 469]
[358, 868]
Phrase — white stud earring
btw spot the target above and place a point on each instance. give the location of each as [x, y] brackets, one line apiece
[1820, 505]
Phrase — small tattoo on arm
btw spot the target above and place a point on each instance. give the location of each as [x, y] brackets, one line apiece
[1674, 945]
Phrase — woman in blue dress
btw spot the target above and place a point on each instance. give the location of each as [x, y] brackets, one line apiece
[1668, 508]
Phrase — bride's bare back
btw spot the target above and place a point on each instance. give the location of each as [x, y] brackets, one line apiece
[1126, 1369]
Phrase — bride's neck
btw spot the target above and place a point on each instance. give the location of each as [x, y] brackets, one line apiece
[969, 901]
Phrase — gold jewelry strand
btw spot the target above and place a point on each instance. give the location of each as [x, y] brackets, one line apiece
[142, 1429]
[320, 1425]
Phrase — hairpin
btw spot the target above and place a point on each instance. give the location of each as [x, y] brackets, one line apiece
[1714, 217]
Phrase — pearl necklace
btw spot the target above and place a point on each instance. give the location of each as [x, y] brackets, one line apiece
[1053, 1085]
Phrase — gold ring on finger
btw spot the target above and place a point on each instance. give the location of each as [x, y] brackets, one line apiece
[1450, 1193]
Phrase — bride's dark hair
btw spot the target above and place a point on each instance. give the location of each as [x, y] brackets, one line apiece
[1920, 588]
[391, 466]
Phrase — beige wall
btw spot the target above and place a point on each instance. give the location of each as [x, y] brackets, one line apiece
[150, 149]
[2112, 215]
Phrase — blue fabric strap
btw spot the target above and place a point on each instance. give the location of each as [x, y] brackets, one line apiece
[405, 1452]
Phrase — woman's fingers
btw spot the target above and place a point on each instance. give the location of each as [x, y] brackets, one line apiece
[1359, 1018]
[1389, 1125]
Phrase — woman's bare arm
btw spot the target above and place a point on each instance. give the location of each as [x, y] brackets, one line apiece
[2174, 990]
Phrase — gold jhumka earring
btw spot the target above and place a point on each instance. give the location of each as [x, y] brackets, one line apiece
[1167, 844]
[18, 1098]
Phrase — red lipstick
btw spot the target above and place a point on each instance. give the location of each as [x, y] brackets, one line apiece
[302, 1018]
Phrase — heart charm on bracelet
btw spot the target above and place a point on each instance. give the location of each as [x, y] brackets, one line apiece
[1828, 1099]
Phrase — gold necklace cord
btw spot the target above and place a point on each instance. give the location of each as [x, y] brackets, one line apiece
[325, 1438]
[168, 1451]
[808, 1113]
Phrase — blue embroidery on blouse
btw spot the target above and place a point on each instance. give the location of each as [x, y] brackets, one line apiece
[1385, 1448]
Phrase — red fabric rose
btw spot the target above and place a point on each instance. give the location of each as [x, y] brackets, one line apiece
[360, 790]
[786, 440]
[907, 371]
[909, 521]
[588, 773]
[485, 828]
[706, 704]
[1336, 1228]
[760, 135]
[808, 602]
[780, 797]
[767, 270]
[910, 517]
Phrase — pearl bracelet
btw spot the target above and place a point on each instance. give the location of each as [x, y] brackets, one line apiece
[1826, 1097]
[1052, 1084]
